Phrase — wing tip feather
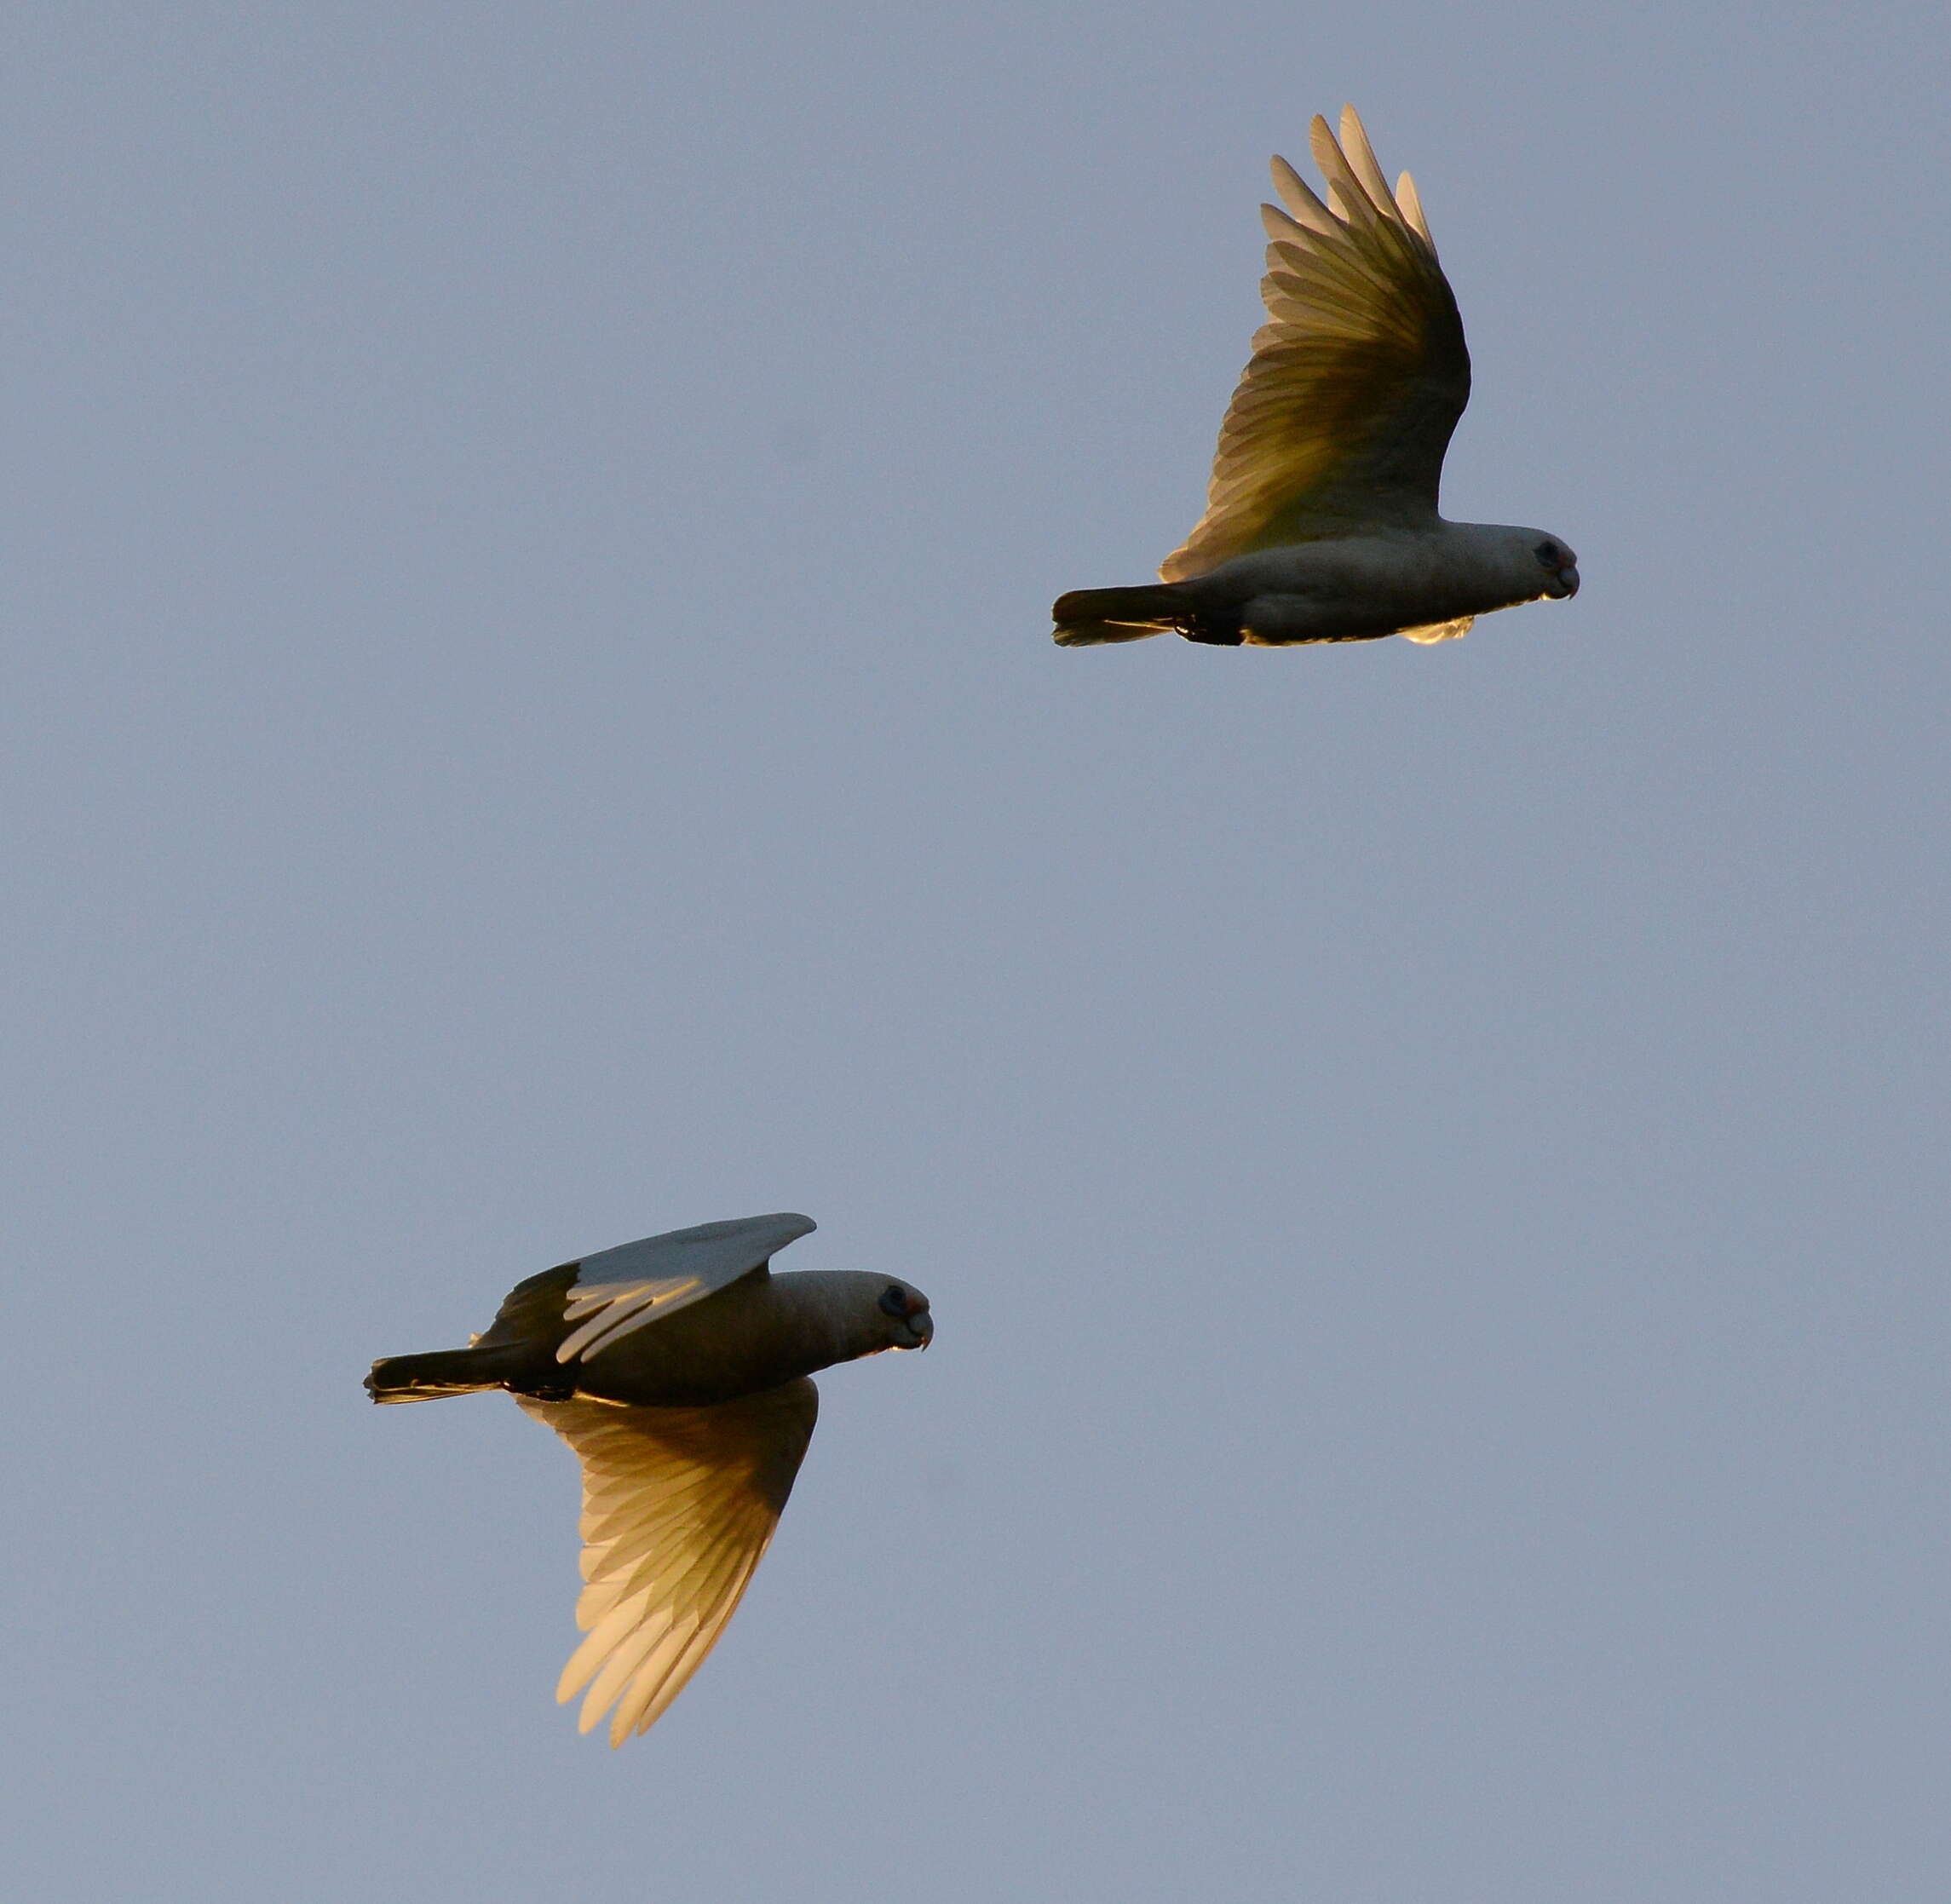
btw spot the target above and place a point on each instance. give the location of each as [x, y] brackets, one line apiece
[1409, 202]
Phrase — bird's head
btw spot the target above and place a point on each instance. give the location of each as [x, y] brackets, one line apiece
[909, 1324]
[1560, 565]
[851, 1313]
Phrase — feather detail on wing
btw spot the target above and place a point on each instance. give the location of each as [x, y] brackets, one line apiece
[679, 1505]
[619, 1291]
[1357, 378]
[609, 1311]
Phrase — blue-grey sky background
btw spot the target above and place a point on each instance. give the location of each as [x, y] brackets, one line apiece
[529, 721]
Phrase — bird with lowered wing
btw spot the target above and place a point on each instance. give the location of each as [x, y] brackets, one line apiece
[677, 1369]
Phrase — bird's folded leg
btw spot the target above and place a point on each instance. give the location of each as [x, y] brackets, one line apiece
[1213, 634]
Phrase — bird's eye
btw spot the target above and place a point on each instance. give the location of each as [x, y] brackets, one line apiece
[1547, 553]
[893, 1299]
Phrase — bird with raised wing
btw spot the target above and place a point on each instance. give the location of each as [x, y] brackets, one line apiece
[676, 1368]
[1321, 522]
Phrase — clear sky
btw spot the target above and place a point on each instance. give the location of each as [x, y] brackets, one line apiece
[529, 721]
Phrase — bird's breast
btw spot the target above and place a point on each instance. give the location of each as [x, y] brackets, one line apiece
[1354, 588]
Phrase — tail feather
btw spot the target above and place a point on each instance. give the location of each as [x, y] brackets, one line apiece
[1086, 617]
[1094, 633]
[442, 1371]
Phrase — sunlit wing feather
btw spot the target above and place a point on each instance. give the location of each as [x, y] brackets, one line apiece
[609, 1311]
[679, 1505]
[1439, 630]
[1341, 419]
[621, 1290]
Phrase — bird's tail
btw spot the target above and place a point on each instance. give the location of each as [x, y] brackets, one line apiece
[1086, 617]
[442, 1371]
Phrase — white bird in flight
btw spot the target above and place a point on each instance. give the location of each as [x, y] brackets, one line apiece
[676, 1370]
[1320, 523]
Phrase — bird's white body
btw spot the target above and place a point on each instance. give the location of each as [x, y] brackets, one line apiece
[1389, 581]
[757, 1333]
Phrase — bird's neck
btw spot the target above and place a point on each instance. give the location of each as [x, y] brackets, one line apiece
[821, 1316]
[1488, 566]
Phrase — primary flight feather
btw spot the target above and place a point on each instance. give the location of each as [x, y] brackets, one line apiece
[676, 1370]
[1320, 520]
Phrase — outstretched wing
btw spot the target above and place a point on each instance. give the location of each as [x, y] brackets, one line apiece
[1357, 378]
[618, 1291]
[678, 1506]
